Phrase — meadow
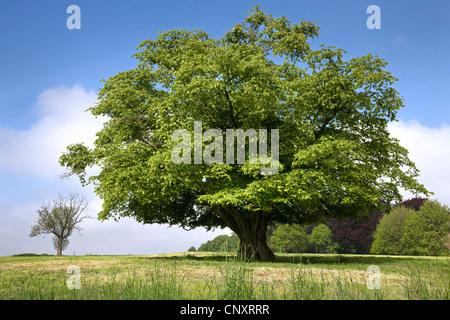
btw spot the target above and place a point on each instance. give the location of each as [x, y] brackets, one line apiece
[219, 276]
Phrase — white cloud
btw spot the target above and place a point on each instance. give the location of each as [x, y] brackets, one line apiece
[429, 148]
[62, 122]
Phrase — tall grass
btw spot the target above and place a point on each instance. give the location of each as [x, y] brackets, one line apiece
[159, 283]
[306, 285]
[419, 287]
[238, 283]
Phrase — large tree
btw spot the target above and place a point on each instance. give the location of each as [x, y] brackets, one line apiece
[336, 157]
[60, 217]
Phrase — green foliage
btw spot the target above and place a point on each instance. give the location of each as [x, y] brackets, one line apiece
[60, 244]
[389, 232]
[425, 231]
[289, 238]
[321, 238]
[222, 243]
[421, 232]
[192, 249]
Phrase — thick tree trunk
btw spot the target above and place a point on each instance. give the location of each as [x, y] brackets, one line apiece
[251, 230]
[254, 247]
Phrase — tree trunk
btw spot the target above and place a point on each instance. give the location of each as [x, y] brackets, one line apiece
[59, 248]
[251, 230]
[253, 247]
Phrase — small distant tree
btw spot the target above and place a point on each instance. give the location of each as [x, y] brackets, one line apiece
[321, 238]
[192, 249]
[289, 238]
[60, 217]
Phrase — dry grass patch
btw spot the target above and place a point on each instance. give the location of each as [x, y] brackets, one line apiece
[55, 265]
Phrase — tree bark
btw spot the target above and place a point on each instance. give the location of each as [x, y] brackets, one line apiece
[251, 230]
[59, 247]
[59, 250]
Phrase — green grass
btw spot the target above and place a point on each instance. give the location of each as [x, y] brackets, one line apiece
[197, 275]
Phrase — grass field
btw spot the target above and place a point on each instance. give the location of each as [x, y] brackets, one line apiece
[201, 276]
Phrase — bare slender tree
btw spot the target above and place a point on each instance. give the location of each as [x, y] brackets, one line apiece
[60, 217]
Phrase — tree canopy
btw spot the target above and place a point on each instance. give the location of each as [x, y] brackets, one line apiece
[354, 236]
[425, 231]
[415, 230]
[336, 156]
[320, 238]
[388, 234]
[289, 238]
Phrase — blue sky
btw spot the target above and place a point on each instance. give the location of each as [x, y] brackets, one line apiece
[49, 74]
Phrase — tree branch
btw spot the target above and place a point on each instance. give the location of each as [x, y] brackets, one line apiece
[230, 108]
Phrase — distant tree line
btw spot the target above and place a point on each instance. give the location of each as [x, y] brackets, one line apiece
[414, 227]
[222, 243]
